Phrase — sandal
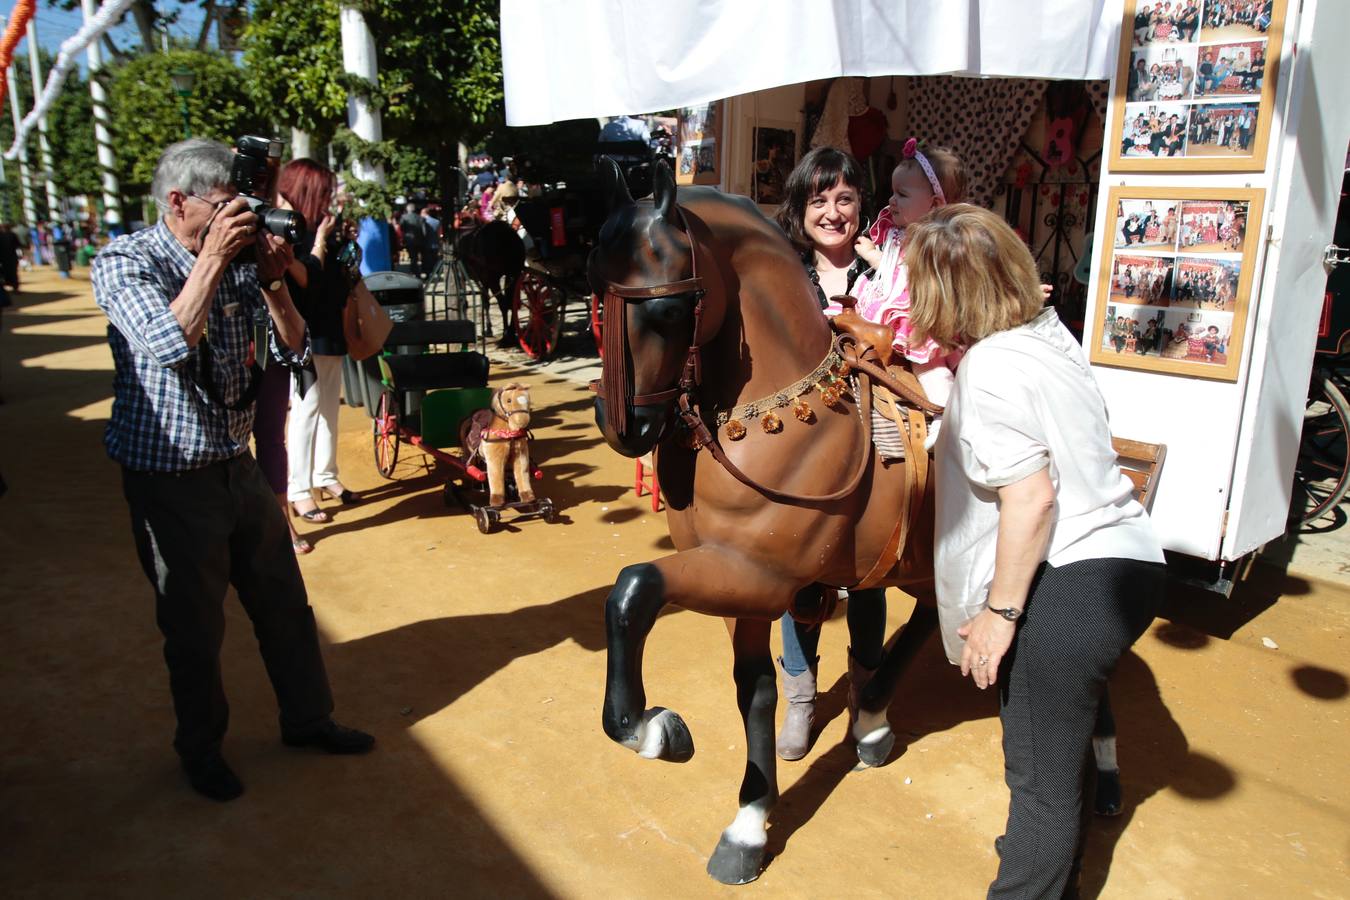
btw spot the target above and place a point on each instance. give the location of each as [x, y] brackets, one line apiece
[313, 514]
[300, 545]
[346, 497]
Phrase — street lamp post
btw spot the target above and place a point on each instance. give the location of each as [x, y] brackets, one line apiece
[183, 79]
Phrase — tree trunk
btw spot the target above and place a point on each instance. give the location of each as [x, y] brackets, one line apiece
[144, 11]
[206, 25]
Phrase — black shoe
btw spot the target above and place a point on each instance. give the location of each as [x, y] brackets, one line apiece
[212, 778]
[331, 737]
[998, 846]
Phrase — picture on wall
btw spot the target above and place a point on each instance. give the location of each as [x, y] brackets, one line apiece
[775, 151]
[1209, 63]
[1174, 283]
[698, 132]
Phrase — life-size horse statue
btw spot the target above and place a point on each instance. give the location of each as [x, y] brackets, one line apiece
[715, 348]
[494, 256]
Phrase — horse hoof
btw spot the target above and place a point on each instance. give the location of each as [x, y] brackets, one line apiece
[1108, 799]
[874, 738]
[665, 736]
[735, 863]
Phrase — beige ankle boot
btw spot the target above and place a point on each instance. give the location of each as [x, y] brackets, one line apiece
[794, 738]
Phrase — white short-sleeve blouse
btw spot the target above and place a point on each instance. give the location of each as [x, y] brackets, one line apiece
[1025, 400]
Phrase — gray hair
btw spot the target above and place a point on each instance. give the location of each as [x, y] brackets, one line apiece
[194, 166]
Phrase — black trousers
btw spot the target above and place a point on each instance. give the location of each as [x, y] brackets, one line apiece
[1079, 619]
[197, 533]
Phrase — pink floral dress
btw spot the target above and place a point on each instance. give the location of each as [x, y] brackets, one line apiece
[883, 298]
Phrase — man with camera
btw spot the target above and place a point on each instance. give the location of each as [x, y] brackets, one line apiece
[182, 306]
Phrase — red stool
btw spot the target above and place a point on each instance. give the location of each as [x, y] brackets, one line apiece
[646, 480]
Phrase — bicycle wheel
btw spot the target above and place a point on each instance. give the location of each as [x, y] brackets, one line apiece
[384, 428]
[1321, 476]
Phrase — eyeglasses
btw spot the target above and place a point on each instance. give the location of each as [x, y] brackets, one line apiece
[214, 204]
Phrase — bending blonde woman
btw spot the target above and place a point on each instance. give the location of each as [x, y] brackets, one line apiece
[1048, 569]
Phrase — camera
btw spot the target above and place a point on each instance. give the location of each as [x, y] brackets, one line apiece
[253, 173]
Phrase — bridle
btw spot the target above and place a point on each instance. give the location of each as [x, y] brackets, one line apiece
[613, 386]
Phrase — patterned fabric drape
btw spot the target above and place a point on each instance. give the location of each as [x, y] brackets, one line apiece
[981, 119]
[1100, 92]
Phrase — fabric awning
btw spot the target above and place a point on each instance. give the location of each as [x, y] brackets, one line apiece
[572, 59]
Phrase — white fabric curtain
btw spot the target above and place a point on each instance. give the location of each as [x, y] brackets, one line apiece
[572, 59]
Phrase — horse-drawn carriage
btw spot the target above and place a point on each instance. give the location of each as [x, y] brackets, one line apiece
[533, 277]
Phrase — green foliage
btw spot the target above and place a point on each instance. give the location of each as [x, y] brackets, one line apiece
[293, 56]
[439, 65]
[147, 117]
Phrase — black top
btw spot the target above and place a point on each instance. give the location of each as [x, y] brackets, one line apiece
[856, 270]
[322, 301]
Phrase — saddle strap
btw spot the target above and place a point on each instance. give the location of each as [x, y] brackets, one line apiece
[914, 491]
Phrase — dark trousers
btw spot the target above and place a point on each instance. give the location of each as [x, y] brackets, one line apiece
[1079, 619]
[197, 533]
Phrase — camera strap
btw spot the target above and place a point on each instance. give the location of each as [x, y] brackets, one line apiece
[205, 378]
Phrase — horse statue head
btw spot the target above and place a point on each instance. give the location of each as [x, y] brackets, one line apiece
[645, 267]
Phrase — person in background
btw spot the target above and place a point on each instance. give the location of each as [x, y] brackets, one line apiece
[1047, 567]
[410, 227]
[316, 390]
[181, 312]
[11, 253]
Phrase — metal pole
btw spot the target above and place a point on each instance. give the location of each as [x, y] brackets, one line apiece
[44, 147]
[107, 162]
[187, 120]
[25, 182]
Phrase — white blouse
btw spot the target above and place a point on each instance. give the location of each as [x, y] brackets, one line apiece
[1025, 400]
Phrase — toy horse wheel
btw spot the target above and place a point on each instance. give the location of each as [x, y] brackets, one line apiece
[385, 431]
[598, 324]
[548, 511]
[486, 519]
[537, 314]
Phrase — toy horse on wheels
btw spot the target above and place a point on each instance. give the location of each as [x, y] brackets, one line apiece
[715, 349]
[498, 437]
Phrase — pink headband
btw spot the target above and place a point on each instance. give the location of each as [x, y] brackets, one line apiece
[911, 151]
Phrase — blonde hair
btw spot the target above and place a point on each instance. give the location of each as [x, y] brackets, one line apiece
[947, 166]
[970, 276]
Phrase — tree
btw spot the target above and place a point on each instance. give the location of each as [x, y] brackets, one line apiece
[146, 115]
[439, 75]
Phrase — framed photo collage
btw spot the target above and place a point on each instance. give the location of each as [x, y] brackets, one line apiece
[1196, 85]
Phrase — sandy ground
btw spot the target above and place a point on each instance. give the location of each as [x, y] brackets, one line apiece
[478, 661]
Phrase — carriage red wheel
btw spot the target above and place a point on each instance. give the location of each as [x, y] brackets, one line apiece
[537, 314]
[598, 324]
[385, 431]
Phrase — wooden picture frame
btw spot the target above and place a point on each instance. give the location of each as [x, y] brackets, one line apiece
[1215, 113]
[1175, 279]
[773, 149]
[699, 155]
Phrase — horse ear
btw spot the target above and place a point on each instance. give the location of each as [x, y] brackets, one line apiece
[663, 189]
[616, 189]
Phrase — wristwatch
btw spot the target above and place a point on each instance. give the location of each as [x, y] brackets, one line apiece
[1011, 613]
[274, 285]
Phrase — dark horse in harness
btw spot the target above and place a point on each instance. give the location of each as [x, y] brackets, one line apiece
[494, 256]
[716, 350]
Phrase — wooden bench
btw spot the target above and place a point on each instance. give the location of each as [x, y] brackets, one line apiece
[1141, 462]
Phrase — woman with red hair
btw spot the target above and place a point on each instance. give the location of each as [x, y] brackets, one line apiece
[315, 278]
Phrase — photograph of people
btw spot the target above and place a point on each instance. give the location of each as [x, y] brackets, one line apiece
[1146, 280]
[1206, 283]
[1233, 20]
[1218, 226]
[1200, 337]
[1153, 130]
[1231, 69]
[1221, 129]
[1166, 22]
[1146, 223]
[1160, 73]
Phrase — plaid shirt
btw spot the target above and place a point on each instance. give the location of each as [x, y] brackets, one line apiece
[162, 418]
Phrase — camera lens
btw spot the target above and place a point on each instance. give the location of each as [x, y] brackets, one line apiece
[284, 223]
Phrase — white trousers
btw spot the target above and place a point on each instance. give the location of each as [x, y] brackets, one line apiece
[311, 430]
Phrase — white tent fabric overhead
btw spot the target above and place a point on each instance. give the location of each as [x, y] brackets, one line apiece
[572, 59]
